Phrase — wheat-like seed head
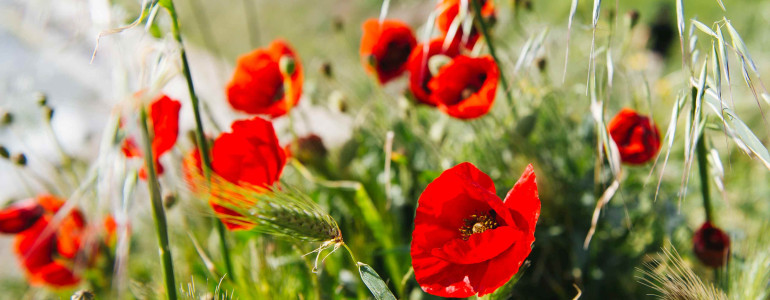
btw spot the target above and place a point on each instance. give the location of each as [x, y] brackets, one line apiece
[281, 211]
[674, 280]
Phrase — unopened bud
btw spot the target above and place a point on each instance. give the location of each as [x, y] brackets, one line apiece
[83, 295]
[169, 201]
[19, 159]
[287, 65]
[436, 62]
[338, 102]
[371, 60]
[326, 70]
[338, 24]
[4, 152]
[542, 63]
[633, 17]
[42, 99]
[6, 118]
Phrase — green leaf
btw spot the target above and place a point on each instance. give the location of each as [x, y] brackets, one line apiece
[374, 283]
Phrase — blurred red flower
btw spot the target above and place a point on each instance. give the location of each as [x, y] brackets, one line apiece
[164, 122]
[385, 48]
[419, 72]
[466, 87]
[250, 154]
[711, 245]
[637, 136]
[49, 248]
[448, 12]
[466, 241]
[20, 216]
[266, 81]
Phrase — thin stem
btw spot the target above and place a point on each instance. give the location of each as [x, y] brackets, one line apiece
[66, 160]
[704, 176]
[353, 257]
[482, 24]
[199, 136]
[159, 213]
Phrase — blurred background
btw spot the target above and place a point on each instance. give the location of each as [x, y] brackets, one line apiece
[49, 47]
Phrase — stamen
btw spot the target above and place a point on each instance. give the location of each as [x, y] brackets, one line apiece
[478, 223]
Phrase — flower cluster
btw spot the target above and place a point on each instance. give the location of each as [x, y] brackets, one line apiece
[441, 74]
[49, 244]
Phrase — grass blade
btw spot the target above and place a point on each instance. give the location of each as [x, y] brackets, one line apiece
[374, 283]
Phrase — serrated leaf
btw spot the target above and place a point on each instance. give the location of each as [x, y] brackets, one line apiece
[374, 283]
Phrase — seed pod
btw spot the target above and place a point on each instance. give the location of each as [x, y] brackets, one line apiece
[4, 152]
[19, 159]
[42, 99]
[633, 17]
[326, 70]
[6, 118]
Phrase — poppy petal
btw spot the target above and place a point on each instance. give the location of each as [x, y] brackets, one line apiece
[479, 247]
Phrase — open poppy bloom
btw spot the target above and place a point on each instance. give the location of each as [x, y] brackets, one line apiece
[385, 48]
[164, 120]
[266, 81]
[448, 13]
[637, 136]
[711, 245]
[465, 88]
[20, 216]
[466, 241]
[418, 66]
[250, 154]
[48, 250]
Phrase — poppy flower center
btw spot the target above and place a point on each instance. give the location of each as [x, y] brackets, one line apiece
[474, 85]
[396, 54]
[478, 223]
[279, 94]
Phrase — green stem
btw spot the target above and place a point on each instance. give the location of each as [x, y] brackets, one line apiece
[704, 176]
[157, 209]
[199, 136]
[482, 24]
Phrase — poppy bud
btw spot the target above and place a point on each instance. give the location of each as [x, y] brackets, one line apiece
[4, 152]
[42, 99]
[711, 245]
[6, 118]
[542, 63]
[337, 102]
[287, 65]
[169, 201]
[633, 17]
[19, 159]
[437, 61]
[83, 295]
[19, 216]
[326, 70]
[309, 150]
[338, 24]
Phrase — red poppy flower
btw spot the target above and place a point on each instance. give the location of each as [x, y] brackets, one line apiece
[449, 10]
[164, 119]
[419, 73]
[466, 241]
[385, 48]
[250, 154]
[20, 215]
[637, 136]
[47, 250]
[261, 85]
[466, 87]
[711, 245]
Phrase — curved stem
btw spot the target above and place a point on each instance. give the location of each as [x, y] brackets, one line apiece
[199, 136]
[159, 214]
[482, 24]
